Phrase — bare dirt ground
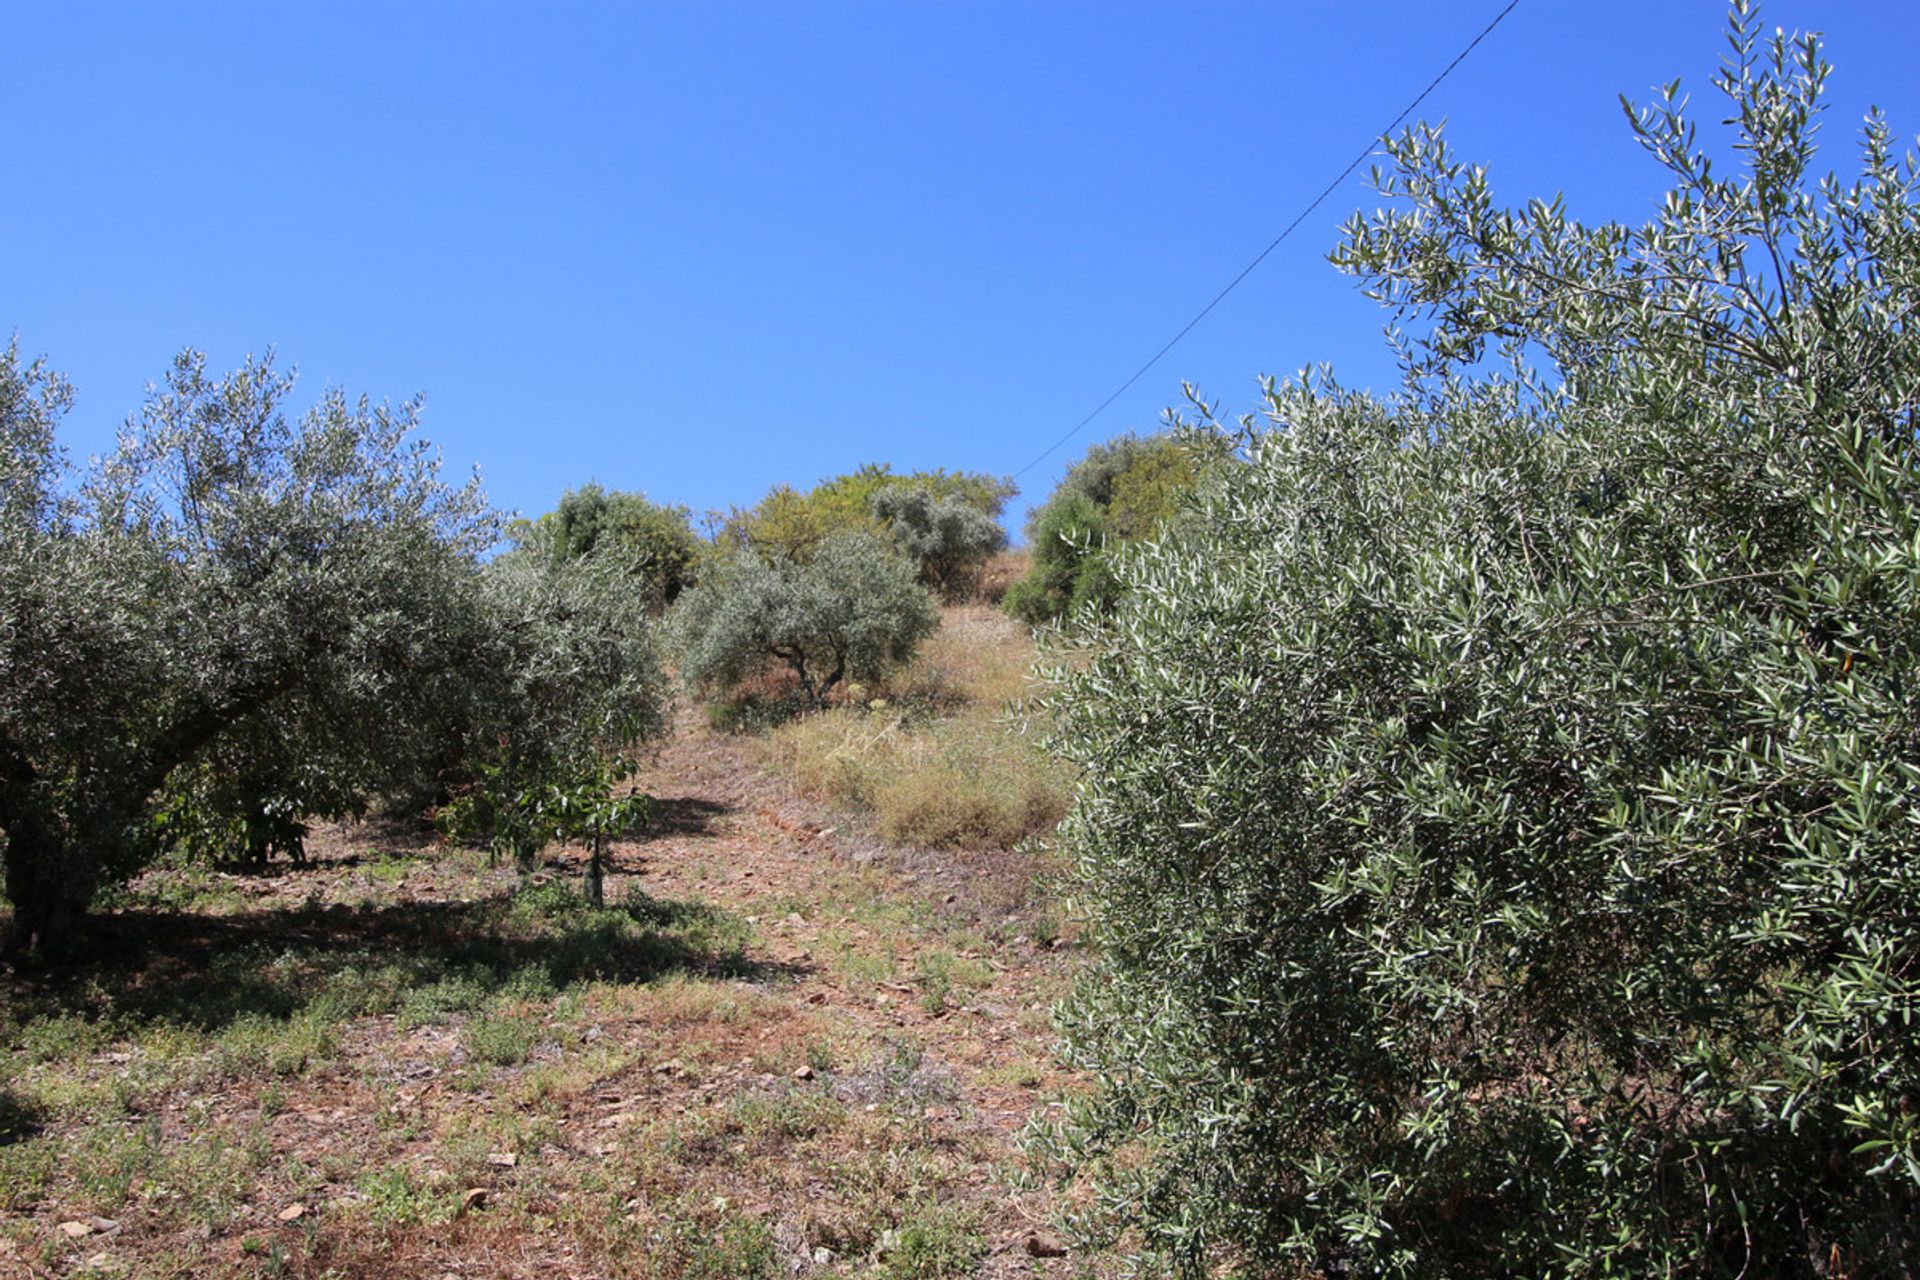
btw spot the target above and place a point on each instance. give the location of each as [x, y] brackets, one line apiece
[784, 1050]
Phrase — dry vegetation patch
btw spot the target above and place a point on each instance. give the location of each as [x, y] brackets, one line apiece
[941, 758]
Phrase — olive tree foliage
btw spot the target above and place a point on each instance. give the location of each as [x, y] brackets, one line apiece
[655, 543]
[1124, 490]
[1501, 818]
[848, 612]
[949, 537]
[570, 680]
[240, 613]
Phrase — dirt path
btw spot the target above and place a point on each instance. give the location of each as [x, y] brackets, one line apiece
[944, 957]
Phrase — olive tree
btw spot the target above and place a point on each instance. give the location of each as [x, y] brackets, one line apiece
[227, 572]
[1501, 818]
[571, 681]
[848, 612]
[655, 543]
[949, 537]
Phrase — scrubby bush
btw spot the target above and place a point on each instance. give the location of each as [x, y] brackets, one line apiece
[1069, 569]
[791, 524]
[655, 544]
[1125, 490]
[847, 613]
[1162, 469]
[1501, 826]
[949, 538]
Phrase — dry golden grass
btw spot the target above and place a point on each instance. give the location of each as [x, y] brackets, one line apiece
[939, 760]
[1000, 573]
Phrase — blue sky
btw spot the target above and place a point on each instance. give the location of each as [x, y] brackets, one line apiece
[700, 249]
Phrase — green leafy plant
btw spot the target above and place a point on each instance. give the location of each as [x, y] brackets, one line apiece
[1498, 821]
[1123, 491]
[588, 807]
[576, 799]
[949, 538]
[654, 545]
[849, 612]
[789, 523]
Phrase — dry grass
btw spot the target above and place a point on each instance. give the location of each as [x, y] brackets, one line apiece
[1000, 573]
[940, 761]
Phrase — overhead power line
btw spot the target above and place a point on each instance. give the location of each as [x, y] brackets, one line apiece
[1304, 214]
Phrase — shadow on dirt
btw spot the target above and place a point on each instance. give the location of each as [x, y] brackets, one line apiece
[684, 816]
[206, 971]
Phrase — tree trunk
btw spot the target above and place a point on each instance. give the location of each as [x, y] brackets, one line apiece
[594, 880]
[45, 901]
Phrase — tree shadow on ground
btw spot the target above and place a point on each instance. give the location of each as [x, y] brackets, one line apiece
[206, 971]
[684, 816]
[19, 1118]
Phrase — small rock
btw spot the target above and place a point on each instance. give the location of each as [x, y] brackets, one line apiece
[1039, 1246]
[822, 1256]
[473, 1198]
[75, 1229]
[108, 1225]
[292, 1213]
[100, 1261]
[803, 1073]
[503, 1159]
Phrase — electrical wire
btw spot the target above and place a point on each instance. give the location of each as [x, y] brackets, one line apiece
[1277, 240]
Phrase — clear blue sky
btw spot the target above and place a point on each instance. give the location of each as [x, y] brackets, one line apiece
[698, 249]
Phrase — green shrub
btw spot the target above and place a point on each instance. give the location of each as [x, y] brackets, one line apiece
[1500, 807]
[1125, 490]
[790, 524]
[848, 613]
[932, 1242]
[655, 545]
[949, 538]
[1069, 571]
[502, 1041]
